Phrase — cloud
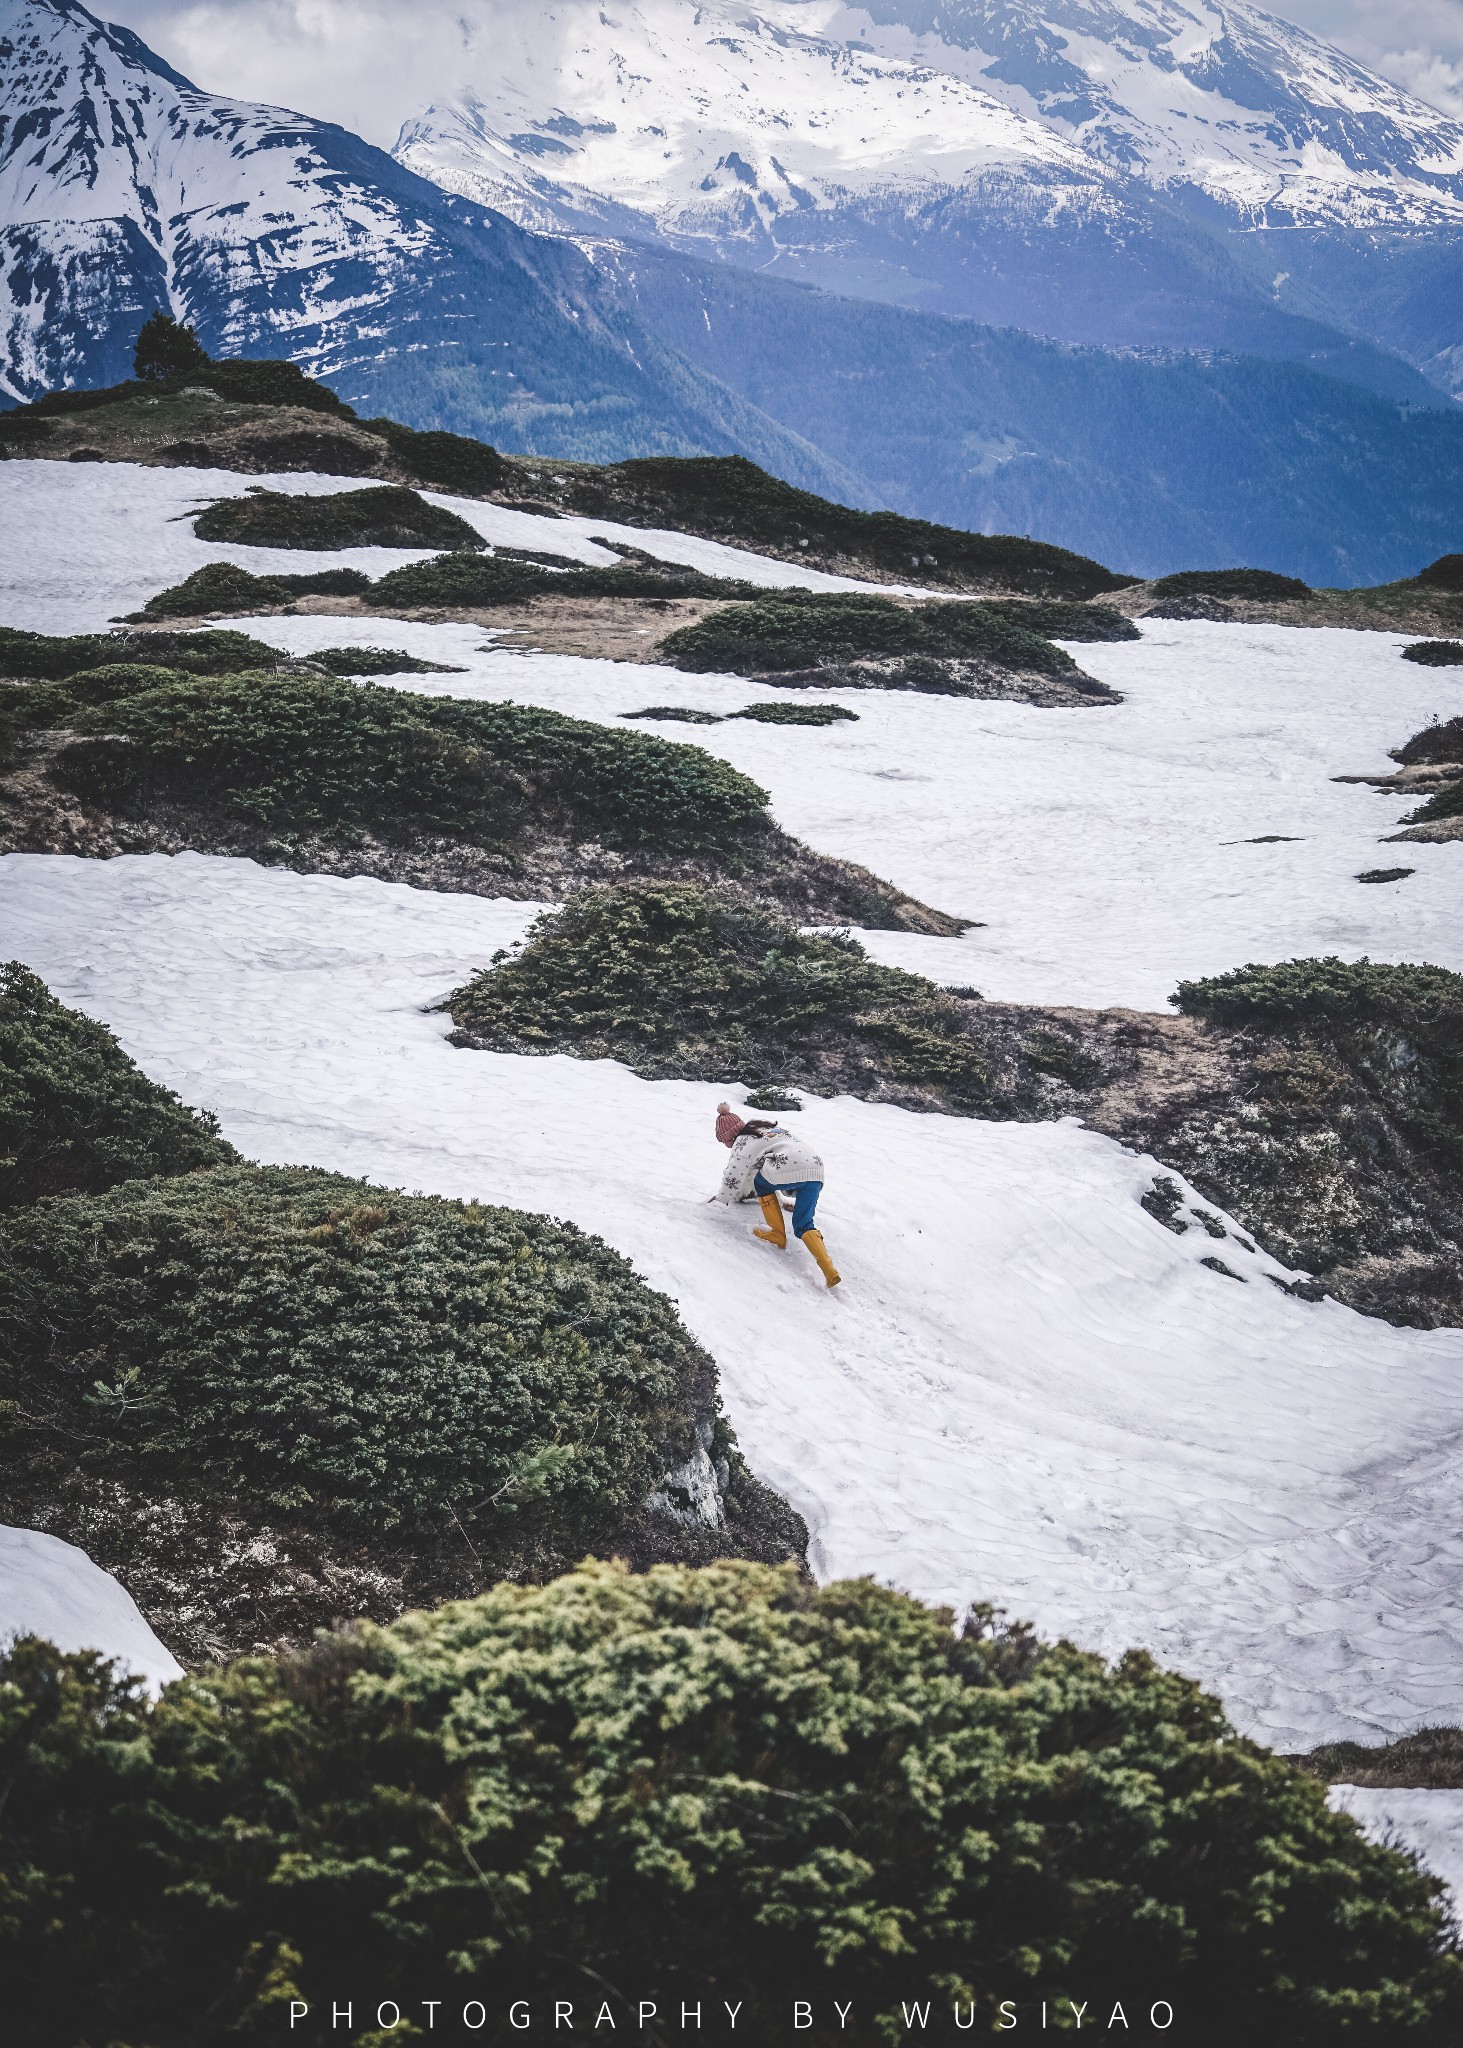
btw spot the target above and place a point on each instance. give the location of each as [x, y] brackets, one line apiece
[372, 64]
[369, 64]
[1416, 43]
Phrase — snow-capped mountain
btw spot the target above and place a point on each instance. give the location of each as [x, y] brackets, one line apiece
[707, 117]
[123, 187]
[1149, 171]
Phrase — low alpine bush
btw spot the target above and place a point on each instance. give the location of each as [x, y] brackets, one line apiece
[1435, 653]
[75, 1113]
[1058, 619]
[795, 714]
[1237, 583]
[505, 578]
[315, 753]
[1439, 742]
[637, 1793]
[344, 1353]
[789, 632]
[46, 657]
[443, 462]
[1446, 573]
[673, 979]
[223, 587]
[730, 498]
[384, 515]
[1398, 1029]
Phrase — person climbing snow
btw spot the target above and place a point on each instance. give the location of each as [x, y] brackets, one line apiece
[769, 1160]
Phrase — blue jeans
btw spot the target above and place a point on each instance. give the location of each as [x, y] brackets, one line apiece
[804, 1194]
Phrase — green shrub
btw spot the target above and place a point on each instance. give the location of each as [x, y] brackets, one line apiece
[723, 1783]
[1056, 619]
[512, 577]
[1331, 991]
[222, 587]
[267, 382]
[444, 462]
[681, 714]
[781, 633]
[730, 498]
[776, 1099]
[1435, 653]
[1442, 743]
[1446, 573]
[1447, 803]
[1238, 583]
[335, 1350]
[44, 657]
[75, 1113]
[671, 978]
[376, 661]
[1396, 1029]
[312, 753]
[166, 348]
[795, 714]
[383, 515]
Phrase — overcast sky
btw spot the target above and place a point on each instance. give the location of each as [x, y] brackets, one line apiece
[372, 63]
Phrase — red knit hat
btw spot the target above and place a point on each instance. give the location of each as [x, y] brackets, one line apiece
[729, 1127]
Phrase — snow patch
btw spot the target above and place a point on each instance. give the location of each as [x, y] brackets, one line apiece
[49, 1588]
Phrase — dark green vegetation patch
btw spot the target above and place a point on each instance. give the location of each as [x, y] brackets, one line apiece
[75, 1113]
[1259, 584]
[729, 498]
[722, 1778]
[329, 1349]
[441, 461]
[1435, 653]
[674, 980]
[1431, 1757]
[266, 1398]
[795, 714]
[375, 661]
[1437, 742]
[1446, 573]
[805, 634]
[268, 382]
[46, 657]
[511, 577]
[679, 714]
[382, 516]
[1057, 619]
[1398, 1028]
[313, 753]
[222, 587]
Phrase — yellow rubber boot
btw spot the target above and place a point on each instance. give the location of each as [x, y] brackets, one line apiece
[776, 1231]
[813, 1239]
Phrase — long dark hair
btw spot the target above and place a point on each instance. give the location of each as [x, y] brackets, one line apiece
[757, 1128]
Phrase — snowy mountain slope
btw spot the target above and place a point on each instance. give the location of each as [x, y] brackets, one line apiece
[1110, 853]
[1110, 172]
[1026, 1389]
[710, 117]
[49, 1588]
[1228, 100]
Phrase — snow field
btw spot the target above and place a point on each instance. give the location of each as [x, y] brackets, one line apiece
[1428, 1822]
[87, 544]
[1107, 852]
[50, 1588]
[1025, 1390]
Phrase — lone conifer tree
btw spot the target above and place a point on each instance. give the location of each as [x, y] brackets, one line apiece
[166, 348]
